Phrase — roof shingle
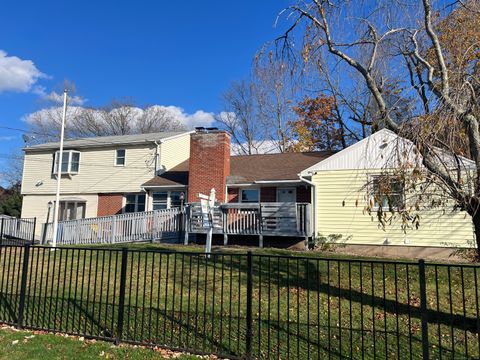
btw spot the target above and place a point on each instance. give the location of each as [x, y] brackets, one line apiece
[245, 169]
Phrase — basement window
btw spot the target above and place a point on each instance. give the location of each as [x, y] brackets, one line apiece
[70, 162]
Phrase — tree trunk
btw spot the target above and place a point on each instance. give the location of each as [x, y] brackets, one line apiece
[476, 226]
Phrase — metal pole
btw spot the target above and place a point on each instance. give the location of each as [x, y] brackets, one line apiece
[423, 308]
[23, 287]
[249, 324]
[121, 305]
[59, 171]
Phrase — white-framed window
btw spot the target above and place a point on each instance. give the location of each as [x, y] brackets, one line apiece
[249, 195]
[134, 203]
[287, 194]
[387, 192]
[71, 210]
[167, 199]
[120, 157]
[70, 162]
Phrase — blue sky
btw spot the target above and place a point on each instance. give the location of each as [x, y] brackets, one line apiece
[180, 53]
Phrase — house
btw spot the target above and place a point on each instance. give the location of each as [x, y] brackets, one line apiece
[135, 173]
[100, 176]
[344, 183]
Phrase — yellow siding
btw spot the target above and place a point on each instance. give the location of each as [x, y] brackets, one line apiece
[175, 151]
[97, 172]
[37, 206]
[335, 187]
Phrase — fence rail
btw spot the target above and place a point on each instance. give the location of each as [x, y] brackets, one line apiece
[245, 305]
[132, 227]
[17, 231]
[274, 219]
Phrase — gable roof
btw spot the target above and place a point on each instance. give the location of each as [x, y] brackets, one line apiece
[381, 150]
[248, 169]
[101, 141]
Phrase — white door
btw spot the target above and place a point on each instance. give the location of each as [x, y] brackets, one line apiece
[286, 194]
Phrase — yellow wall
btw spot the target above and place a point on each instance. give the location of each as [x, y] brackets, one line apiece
[37, 206]
[97, 172]
[334, 187]
[175, 151]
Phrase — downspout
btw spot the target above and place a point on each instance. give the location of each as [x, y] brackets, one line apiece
[313, 198]
[157, 156]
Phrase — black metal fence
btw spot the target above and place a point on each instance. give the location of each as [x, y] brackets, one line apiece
[16, 231]
[245, 305]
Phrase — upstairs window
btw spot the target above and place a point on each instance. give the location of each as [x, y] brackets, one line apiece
[387, 192]
[70, 162]
[120, 157]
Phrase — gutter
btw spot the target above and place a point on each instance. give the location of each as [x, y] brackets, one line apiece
[313, 200]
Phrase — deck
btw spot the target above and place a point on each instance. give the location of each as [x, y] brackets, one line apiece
[255, 219]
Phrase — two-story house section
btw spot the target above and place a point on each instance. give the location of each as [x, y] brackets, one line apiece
[99, 176]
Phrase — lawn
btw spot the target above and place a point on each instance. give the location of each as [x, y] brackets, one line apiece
[304, 305]
[26, 345]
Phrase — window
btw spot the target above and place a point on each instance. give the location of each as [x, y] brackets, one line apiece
[160, 200]
[71, 210]
[167, 199]
[387, 192]
[70, 162]
[120, 157]
[134, 203]
[249, 195]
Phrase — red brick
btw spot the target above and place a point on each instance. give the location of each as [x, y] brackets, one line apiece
[109, 204]
[209, 164]
[232, 195]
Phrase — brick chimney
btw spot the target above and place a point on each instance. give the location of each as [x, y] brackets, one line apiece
[209, 163]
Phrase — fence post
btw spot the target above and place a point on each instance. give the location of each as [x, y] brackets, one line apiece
[113, 229]
[249, 305]
[121, 303]
[423, 308]
[33, 231]
[23, 286]
[1, 231]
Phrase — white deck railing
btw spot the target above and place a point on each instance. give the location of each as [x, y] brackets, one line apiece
[132, 227]
[12, 228]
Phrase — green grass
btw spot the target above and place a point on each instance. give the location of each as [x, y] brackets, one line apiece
[20, 345]
[304, 306]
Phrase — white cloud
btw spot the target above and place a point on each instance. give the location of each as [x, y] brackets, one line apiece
[16, 74]
[190, 121]
[7, 138]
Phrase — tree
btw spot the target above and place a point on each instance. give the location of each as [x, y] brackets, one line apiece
[11, 201]
[317, 128]
[420, 64]
[120, 117]
[240, 118]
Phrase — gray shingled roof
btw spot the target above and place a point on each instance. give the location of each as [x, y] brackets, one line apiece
[101, 141]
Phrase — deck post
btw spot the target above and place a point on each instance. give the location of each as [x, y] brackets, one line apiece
[225, 238]
[260, 241]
